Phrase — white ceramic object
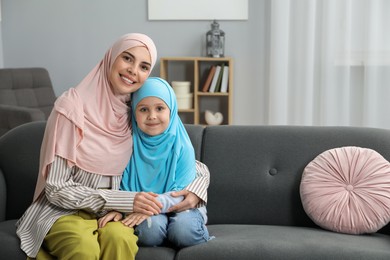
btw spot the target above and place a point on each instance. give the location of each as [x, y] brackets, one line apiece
[181, 87]
[184, 101]
[213, 118]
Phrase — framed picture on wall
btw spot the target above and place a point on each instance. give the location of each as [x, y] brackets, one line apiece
[198, 10]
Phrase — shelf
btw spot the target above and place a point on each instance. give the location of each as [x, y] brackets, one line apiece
[195, 70]
[213, 94]
[186, 110]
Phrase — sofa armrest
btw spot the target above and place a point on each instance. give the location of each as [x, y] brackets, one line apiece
[3, 197]
[12, 116]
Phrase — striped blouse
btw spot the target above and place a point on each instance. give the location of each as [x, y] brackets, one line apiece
[71, 189]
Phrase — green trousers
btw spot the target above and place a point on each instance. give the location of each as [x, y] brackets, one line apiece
[78, 237]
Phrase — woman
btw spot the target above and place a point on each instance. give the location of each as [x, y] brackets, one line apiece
[86, 146]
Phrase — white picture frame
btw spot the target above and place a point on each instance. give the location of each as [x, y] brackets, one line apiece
[198, 9]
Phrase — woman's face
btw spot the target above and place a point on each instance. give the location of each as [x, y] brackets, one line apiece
[129, 71]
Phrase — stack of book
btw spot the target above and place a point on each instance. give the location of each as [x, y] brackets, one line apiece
[217, 79]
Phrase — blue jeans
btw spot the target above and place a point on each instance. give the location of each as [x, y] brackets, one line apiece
[181, 229]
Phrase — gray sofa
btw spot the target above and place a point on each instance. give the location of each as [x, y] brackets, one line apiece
[254, 207]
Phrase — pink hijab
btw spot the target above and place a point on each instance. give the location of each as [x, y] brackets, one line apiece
[89, 126]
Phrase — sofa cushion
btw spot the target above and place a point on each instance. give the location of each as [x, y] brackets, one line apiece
[158, 252]
[252, 242]
[347, 190]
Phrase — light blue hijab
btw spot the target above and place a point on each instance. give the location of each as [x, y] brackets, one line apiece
[161, 163]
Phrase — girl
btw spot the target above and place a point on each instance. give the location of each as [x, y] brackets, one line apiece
[163, 161]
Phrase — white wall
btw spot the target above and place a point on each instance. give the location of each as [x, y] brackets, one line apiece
[1, 42]
[1, 50]
[70, 37]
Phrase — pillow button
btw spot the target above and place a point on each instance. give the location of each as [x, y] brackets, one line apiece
[273, 171]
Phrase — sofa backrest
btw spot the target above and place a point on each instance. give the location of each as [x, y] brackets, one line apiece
[195, 133]
[26, 95]
[27, 87]
[256, 170]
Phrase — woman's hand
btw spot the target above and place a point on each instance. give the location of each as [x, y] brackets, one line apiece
[147, 203]
[134, 219]
[189, 202]
[110, 216]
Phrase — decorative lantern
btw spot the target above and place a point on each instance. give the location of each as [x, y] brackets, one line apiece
[215, 41]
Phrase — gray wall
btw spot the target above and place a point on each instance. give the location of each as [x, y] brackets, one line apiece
[70, 37]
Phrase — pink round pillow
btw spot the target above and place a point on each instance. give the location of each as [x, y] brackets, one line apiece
[347, 190]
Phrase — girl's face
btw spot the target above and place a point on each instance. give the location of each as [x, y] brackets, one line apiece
[129, 71]
[152, 115]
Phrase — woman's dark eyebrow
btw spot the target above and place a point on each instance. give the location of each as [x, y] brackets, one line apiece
[128, 53]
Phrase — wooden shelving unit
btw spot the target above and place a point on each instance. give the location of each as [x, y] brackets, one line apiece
[195, 70]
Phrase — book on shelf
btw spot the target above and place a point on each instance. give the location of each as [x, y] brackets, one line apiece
[215, 79]
[218, 85]
[210, 76]
[225, 79]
